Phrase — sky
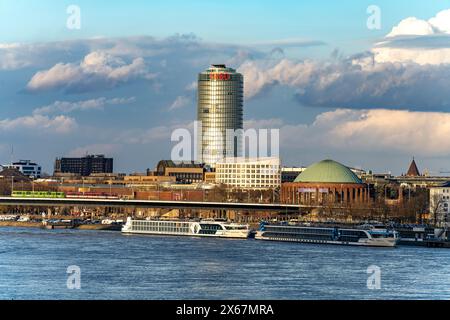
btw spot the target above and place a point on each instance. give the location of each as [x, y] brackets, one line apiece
[362, 82]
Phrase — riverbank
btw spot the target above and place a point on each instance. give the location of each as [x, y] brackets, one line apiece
[21, 224]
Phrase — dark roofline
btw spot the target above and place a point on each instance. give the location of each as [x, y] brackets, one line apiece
[444, 185]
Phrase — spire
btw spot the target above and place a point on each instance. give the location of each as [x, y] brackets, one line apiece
[413, 171]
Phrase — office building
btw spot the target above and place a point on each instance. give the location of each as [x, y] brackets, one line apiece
[84, 166]
[27, 168]
[249, 173]
[220, 108]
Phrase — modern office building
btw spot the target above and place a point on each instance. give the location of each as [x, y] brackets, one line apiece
[220, 108]
[27, 168]
[84, 166]
[249, 173]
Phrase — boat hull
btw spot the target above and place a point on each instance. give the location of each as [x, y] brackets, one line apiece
[156, 233]
[386, 244]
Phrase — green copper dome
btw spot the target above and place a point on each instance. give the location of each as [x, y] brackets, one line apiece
[328, 171]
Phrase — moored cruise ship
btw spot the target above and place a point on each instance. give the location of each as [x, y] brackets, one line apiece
[204, 228]
[328, 235]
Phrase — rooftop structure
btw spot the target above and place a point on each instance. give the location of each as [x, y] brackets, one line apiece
[413, 171]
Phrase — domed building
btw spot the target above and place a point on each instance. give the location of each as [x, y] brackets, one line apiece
[324, 182]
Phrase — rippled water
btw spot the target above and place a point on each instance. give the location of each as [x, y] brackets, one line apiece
[33, 265]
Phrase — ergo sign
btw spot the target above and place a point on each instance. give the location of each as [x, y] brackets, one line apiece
[219, 76]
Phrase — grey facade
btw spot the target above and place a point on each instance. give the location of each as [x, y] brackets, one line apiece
[219, 108]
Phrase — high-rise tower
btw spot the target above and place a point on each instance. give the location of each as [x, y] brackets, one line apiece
[220, 108]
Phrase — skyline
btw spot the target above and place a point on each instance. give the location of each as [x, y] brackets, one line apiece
[351, 94]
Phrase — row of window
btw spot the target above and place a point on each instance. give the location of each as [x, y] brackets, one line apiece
[231, 166]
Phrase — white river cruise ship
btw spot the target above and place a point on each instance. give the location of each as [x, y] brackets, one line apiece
[204, 228]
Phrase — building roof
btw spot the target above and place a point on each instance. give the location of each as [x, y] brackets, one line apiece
[413, 171]
[180, 164]
[328, 171]
[9, 173]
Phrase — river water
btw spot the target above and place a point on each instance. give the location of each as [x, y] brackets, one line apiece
[34, 263]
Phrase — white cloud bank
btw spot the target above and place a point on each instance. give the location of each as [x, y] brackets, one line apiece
[97, 70]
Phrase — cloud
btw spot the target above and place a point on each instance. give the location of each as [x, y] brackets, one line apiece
[290, 43]
[98, 70]
[180, 102]
[141, 136]
[416, 40]
[414, 26]
[92, 104]
[411, 26]
[39, 123]
[354, 83]
[373, 131]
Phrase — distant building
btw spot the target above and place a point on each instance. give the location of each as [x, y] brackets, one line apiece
[413, 178]
[440, 204]
[249, 173]
[141, 180]
[324, 182]
[27, 168]
[289, 174]
[84, 166]
[185, 172]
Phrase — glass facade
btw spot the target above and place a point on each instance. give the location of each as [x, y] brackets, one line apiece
[220, 108]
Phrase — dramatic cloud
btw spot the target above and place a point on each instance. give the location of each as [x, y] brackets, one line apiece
[92, 104]
[97, 70]
[368, 131]
[39, 123]
[354, 83]
[409, 69]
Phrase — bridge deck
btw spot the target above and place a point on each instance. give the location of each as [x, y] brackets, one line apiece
[149, 204]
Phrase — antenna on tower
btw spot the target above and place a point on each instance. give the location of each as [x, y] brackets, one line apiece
[12, 155]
